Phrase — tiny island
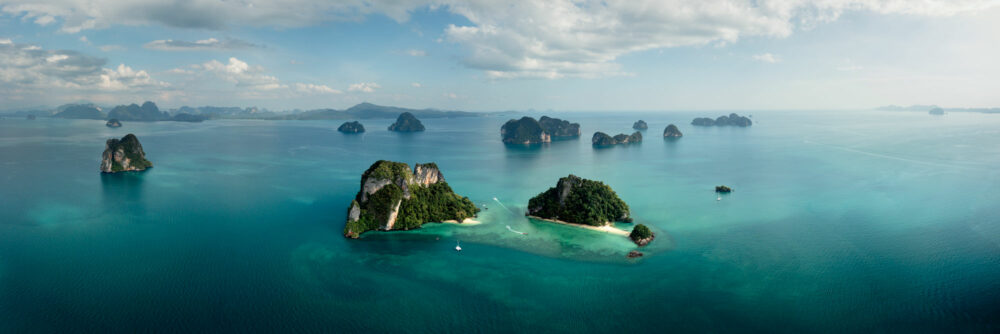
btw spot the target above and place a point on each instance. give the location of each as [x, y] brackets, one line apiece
[406, 122]
[124, 155]
[602, 139]
[527, 130]
[113, 123]
[640, 125]
[576, 201]
[936, 111]
[671, 131]
[351, 127]
[723, 189]
[394, 197]
[731, 120]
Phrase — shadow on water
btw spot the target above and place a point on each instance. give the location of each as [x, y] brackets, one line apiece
[123, 192]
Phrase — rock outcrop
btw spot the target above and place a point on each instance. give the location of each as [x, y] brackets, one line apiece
[936, 111]
[528, 131]
[602, 139]
[393, 197]
[640, 125]
[723, 189]
[641, 235]
[633, 254]
[671, 131]
[351, 127]
[113, 123]
[124, 155]
[579, 201]
[406, 122]
[731, 120]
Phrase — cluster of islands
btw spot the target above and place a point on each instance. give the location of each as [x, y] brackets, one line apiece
[394, 197]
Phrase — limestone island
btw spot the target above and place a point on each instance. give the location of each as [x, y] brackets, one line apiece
[392, 197]
[580, 202]
[113, 123]
[640, 125]
[124, 155]
[351, 127]
[731, 120]
[671, 131]
[936, 111]
[641, 235]
[31, 117]
[529, 131]
[406, 122]
[602, 139]
[723, 189]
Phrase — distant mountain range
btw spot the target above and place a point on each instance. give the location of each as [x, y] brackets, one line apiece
[148, 112]
[926, 108]
[367, 110]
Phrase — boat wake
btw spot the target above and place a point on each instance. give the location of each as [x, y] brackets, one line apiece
[518, 232]
[504, 206]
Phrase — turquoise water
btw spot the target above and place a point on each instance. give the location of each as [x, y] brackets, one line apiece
[840, 221]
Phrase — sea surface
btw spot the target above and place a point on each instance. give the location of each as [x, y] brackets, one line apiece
[840, 221]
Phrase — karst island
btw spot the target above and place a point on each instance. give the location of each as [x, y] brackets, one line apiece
[590, 204]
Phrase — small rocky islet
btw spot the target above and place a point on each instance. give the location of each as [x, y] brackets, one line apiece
[124, 155]
[602, 139]
[723, 189]
[671, 131]
[936, 111]
[406, 122]
[640, 125]
[731, 120]
[527, 130]
[113, 123]
[351, 127]
[394, 197]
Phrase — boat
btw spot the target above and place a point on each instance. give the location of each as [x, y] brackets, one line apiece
[518, 232]
[458, 247]
[718, 198]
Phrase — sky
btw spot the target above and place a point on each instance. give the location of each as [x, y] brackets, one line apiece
[502, 55]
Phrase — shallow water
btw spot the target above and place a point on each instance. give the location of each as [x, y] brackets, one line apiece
[840, 221]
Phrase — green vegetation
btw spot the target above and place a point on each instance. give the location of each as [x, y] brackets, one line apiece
[436, 202]
[587, 202]
[640, 232]
[523, 131]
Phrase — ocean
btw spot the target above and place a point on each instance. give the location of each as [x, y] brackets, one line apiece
[840, 221]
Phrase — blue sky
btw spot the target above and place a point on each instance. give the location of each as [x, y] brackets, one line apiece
[560, 54]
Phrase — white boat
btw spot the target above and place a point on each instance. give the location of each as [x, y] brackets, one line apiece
[458, 247]
[718, 198]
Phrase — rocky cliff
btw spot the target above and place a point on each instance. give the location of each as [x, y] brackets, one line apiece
[603, 139]
[406, 122]
[393, 197]
[122, 155]
[579, 201]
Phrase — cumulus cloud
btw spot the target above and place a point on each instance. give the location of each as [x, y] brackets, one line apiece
[364, 87]
[205, 44]
[416, 53]
[416, 85]
[31, 67]
[240, 73]
[509, 39]
[766, 58]
[316, 89]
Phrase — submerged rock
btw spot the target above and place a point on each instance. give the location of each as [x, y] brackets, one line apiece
[351, 127]
[406, 122]
[603, 139]
[634, 254]
[392, 197]
[731, 120]
[579, 201]
[122, 155]
[113, 123]
[723, 189]
[671, 131]
[640, 125]
[641, 235]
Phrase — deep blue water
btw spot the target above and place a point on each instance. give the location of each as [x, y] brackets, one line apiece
[840, 222]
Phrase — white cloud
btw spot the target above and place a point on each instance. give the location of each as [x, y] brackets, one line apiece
[451, 95]
[416, 53]
[242, 74]
[84, 39]
[364, 87]
[29, 67]
[767, 58]
[111, 47]
[416, 85]
[205, 44]
[316, 89]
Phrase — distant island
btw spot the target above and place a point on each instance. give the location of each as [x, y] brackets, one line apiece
[936, 111]
[927, 108]
[124, 155]
[30, 117]
[392, 197]
[406, 122]
[576, 200]
[351, 127]
[79, 111]
[148, 112]
[528, 131]
[640, 125]
[368, 111]
[113, 123]
[723, 189]
[671, 131]
[731, 120]
[602, 139]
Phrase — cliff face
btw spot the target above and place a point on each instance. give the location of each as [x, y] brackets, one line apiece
[579, 201]
[406, 122]
[671, 131]
[122, 155]
[393, 197]
[351, 127]
[603, 139]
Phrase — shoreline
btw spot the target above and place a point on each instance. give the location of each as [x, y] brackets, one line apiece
[606, 228]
